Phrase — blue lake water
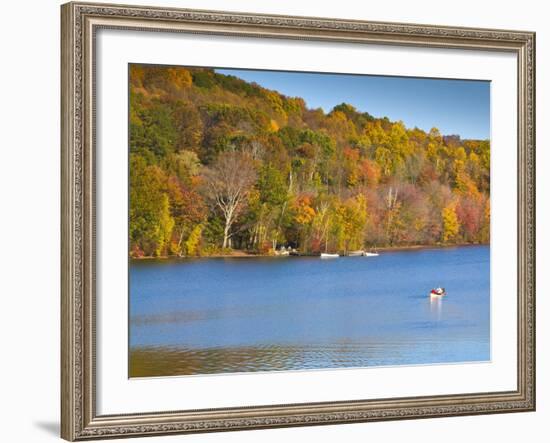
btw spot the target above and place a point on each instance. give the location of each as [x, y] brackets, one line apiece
[219, 315]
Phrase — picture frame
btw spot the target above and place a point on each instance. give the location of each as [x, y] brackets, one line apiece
[79, 400]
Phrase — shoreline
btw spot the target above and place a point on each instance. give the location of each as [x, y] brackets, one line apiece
[243, 254]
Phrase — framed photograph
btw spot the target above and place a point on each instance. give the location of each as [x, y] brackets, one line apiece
[283, 221]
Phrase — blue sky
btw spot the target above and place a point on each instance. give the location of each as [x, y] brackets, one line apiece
[453, 106]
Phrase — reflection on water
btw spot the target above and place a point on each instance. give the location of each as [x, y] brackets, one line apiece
[266, 314]
[436, 305]
[147, 362]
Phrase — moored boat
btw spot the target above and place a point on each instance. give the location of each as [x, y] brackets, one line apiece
[361, 253]
[327, 255]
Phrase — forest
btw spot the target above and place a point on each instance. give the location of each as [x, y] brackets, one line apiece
[220, 166]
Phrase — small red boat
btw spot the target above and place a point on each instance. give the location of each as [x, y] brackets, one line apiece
[437, 292]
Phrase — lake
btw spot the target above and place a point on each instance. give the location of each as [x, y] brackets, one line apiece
[222, 315]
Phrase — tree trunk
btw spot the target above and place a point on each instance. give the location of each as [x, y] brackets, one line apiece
[180, 241]
[226, 234]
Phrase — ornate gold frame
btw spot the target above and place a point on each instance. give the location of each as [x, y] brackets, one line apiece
[80, 21]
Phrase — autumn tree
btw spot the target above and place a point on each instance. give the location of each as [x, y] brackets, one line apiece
[303, 215]
[451, 226]
[216, 161]
[188, 126]
[227, 184]
[268, 207]
[348, 223]
[150, 221]
[189, 212]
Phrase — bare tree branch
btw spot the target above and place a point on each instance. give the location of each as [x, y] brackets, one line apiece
[227, 184]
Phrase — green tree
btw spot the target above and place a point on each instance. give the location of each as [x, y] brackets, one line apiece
[150, 221]
[152, 131]
[269, 206]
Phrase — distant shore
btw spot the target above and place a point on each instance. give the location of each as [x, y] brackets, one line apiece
[239, 253]
[436, 246]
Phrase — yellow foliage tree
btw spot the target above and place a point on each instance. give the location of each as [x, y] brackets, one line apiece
[485, 231]
[304, 212]
[180, 78]
[165, 226]
[451, 225]
[192, 242]
[348, 225]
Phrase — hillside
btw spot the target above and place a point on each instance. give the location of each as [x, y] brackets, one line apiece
[219, 163]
